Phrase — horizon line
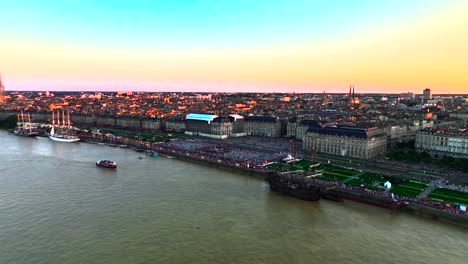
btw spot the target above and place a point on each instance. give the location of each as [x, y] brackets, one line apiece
[211, 92]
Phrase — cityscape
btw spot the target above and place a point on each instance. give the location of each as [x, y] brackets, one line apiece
[252, 144]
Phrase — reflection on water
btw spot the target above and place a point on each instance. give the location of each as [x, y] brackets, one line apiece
[56, 206]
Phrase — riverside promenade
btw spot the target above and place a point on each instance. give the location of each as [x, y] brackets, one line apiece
[251, 161]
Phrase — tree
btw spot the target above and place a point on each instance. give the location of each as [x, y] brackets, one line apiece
[9, 122]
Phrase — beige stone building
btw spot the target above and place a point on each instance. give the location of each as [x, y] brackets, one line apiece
[443, 142]
[264, 126]
[174, 125]
[297, 128]
[344, 141]
[213, 126]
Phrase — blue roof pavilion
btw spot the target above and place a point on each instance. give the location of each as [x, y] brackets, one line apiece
[202, 117]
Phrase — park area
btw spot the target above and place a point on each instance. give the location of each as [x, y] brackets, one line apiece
[448, 195]
[299, 165]
[336, 173]
[370, 180]
[375, 181]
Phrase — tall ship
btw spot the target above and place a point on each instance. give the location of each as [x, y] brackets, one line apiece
[24, 128]
[294, 185]
[62, 131]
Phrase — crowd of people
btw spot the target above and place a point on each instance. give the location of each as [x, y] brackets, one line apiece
[252, 159]
[435, 204]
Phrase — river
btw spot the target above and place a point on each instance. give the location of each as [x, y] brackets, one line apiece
[56, 206]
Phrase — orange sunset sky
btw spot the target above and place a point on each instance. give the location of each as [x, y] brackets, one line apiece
[267, 46]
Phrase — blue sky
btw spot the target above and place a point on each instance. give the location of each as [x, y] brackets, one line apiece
[237, 45]
[199, 23]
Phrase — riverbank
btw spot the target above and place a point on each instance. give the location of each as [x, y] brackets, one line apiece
[357, 194]
[362, 195]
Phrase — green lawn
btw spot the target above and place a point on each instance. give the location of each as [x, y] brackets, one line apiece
[284, 167]
[337, 169]
[334, 177]
[371, 180]
[410, 192]
[412, 184]
[449, 195]
[376, 181]
[368, 184]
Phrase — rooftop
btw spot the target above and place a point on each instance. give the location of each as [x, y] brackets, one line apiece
[201, 117]
[346, 131]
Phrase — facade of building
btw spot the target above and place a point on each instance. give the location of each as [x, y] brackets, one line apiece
[426, 96]
[264, 126]
[150, 124]
[408, 95]
[238, 126]
[344, 141]
[213, 126]
[443, 143]
[404, 132]
[221, 127]
[173, 125]
[297, 128]
[198, 124]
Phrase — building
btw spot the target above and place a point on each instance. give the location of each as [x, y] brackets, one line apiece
[426, 96]
[2, 91]
[238, 126]
[198, 124]
[173, 125]
[463, 116]
[264, 126]
[443, 142]
[346, 141]
[297, 128]
[408, 95]
[213, 126]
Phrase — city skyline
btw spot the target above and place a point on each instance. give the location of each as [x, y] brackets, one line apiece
[207, 46]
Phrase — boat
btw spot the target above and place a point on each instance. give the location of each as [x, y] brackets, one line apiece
[24, 129]
[106, 164]
[152, 153]
[63, 133]
[368, 198]
[294, 185]
[332, 195]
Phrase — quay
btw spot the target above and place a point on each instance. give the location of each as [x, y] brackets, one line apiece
[215, 154]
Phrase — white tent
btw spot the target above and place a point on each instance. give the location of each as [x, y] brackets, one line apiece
[387, 185]
[463, 208]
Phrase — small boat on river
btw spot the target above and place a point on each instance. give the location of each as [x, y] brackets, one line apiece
[152, 153]
[106, 164]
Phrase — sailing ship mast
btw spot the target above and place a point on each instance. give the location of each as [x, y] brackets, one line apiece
[58, 122]
[22, 119]
[69, 123]
[19, 121]
[63, 118]
[29, 123]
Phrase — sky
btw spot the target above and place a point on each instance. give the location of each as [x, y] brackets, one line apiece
[390, 46]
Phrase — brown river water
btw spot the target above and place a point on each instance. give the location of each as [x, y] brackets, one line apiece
[56, 206]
